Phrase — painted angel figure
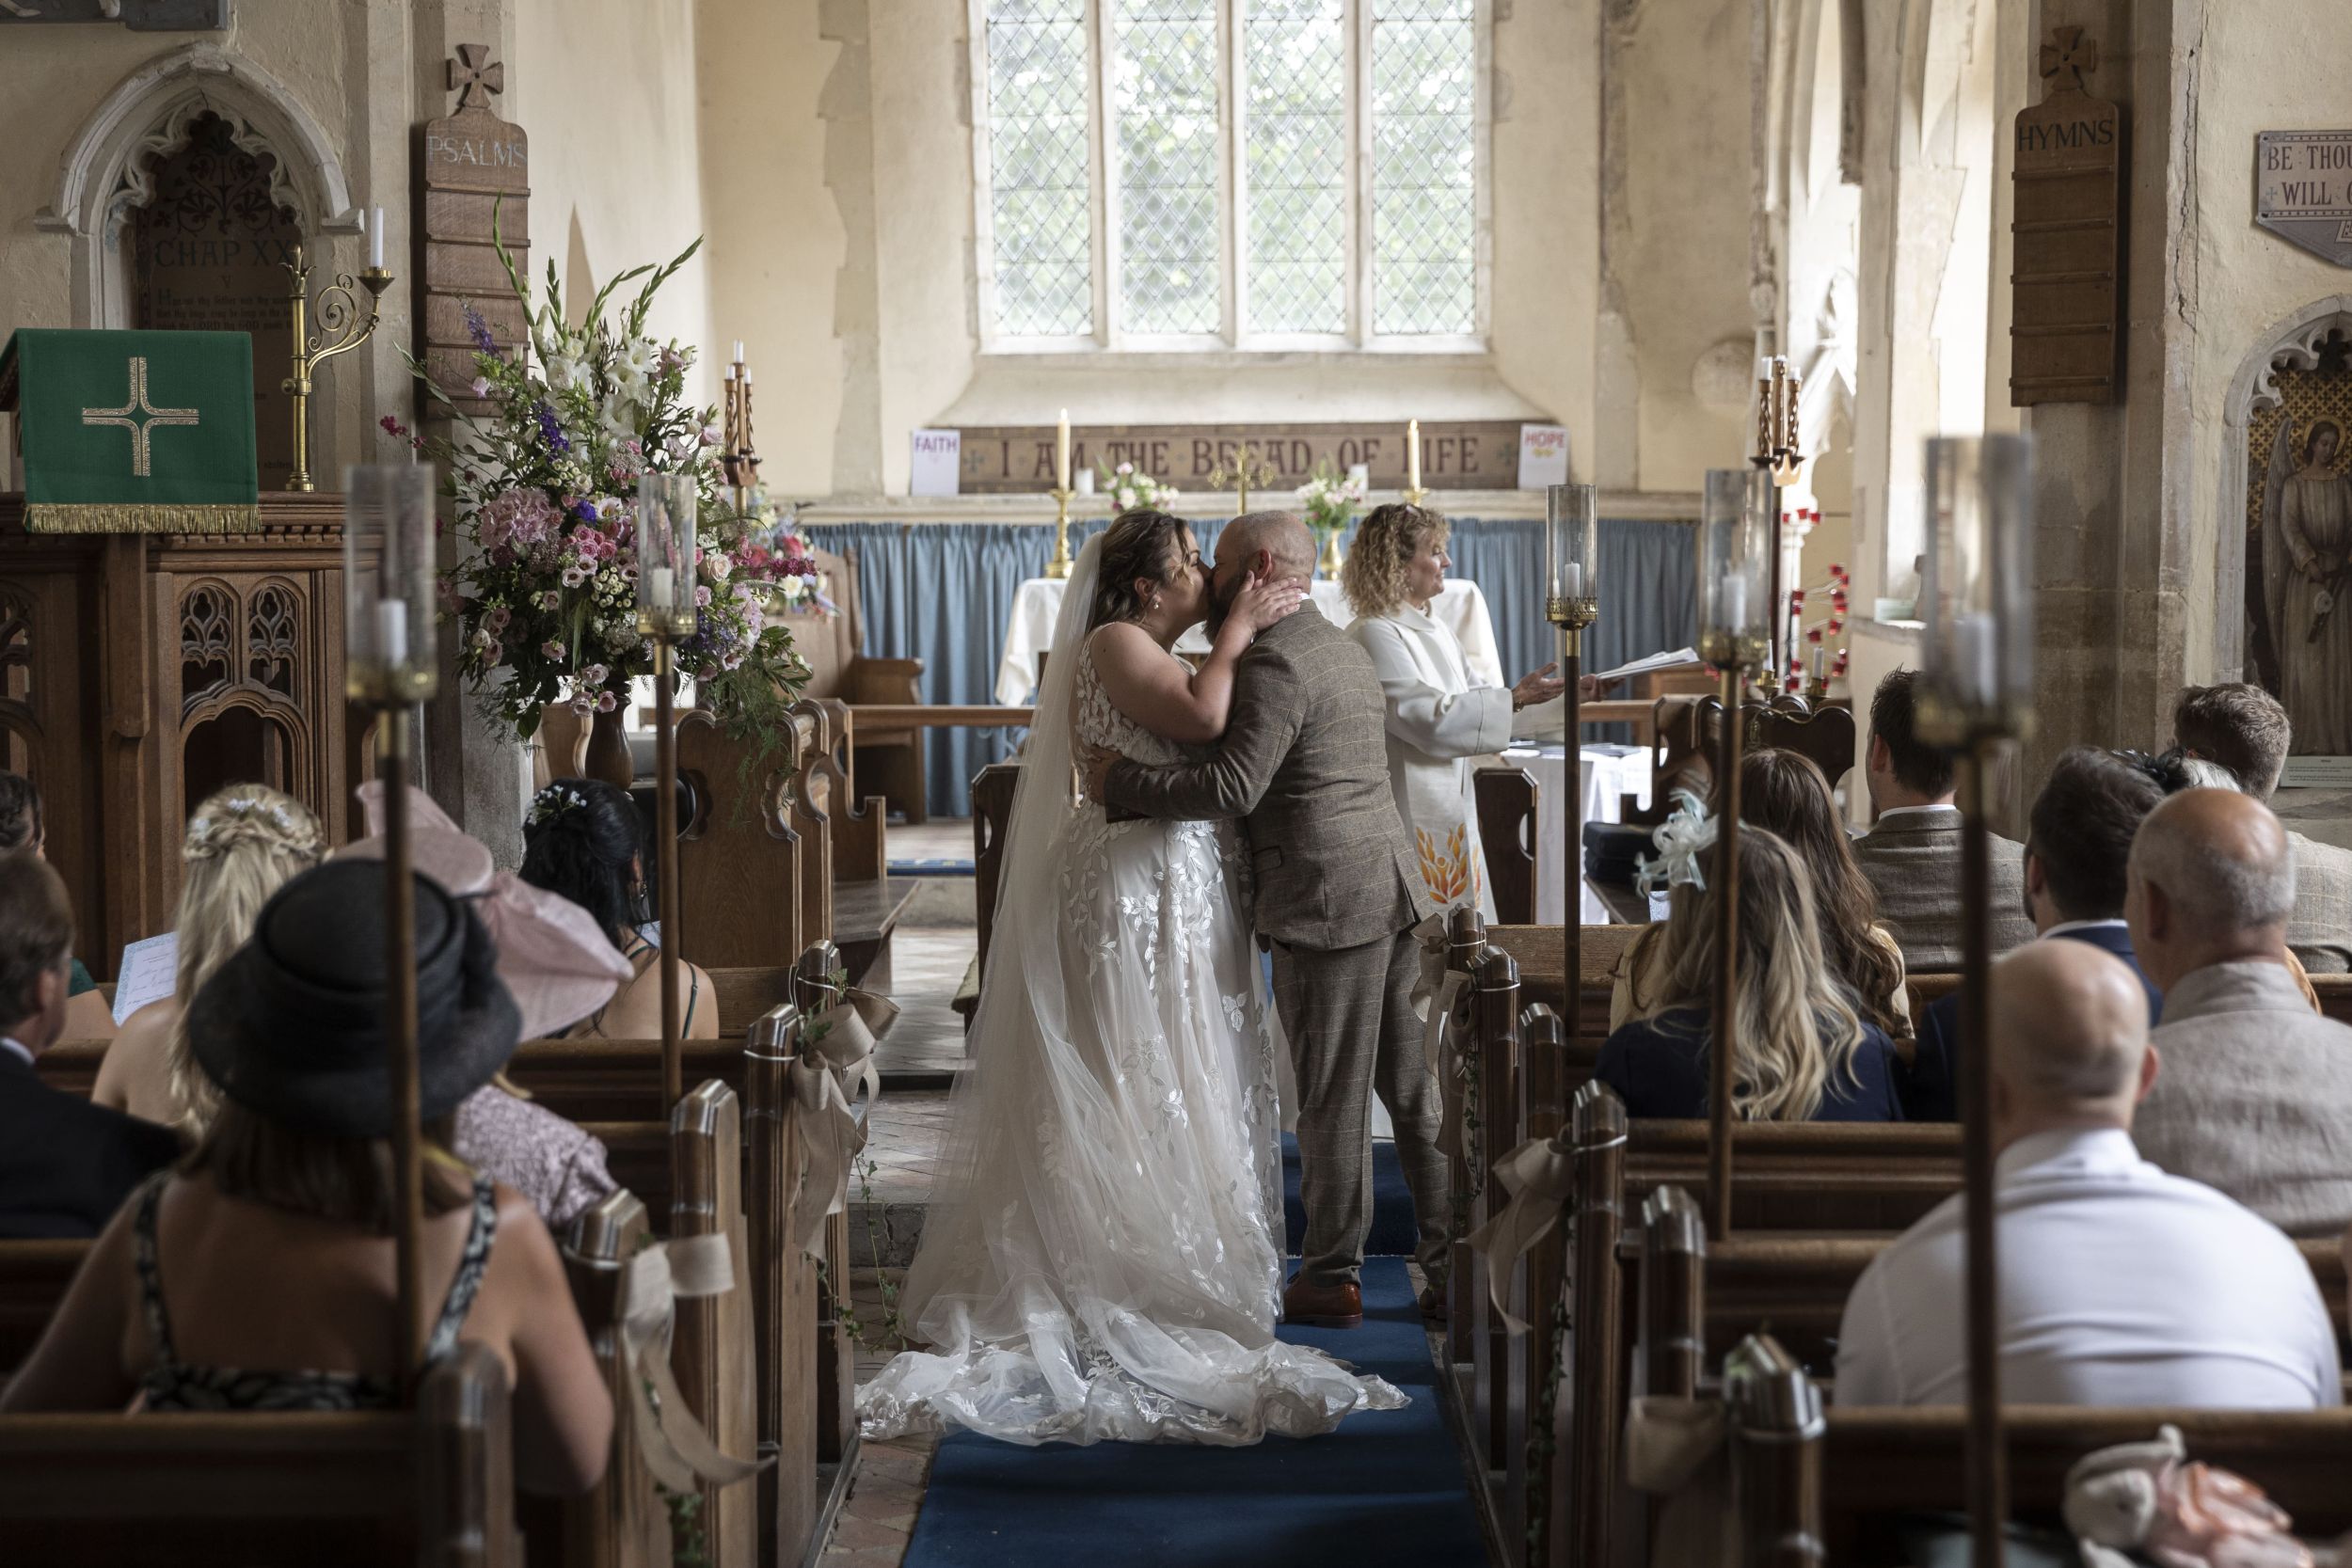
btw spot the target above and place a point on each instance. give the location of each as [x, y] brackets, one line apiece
[2307, 576]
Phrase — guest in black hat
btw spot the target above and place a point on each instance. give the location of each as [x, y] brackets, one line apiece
[260, 1274]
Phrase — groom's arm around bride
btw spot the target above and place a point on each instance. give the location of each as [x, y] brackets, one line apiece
[1304, 763]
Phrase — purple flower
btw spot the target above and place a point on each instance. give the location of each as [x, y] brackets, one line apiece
[552, 428]
[552, 648]
[480, 330]
[606, 702]
[585, 511]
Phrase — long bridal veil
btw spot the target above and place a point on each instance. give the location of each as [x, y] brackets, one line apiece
[1101, 1256]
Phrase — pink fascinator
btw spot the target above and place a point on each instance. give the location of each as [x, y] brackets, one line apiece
[554, 960]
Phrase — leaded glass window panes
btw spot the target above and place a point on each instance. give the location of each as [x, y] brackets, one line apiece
[1424, 123]
[1295, 75]
[1164, 101]
[1040, 189]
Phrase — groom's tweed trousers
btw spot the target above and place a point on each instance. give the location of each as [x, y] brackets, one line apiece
[1305, 765]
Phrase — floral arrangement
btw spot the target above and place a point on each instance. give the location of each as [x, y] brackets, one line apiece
[776, 554]
[545, 491]
[1330, 500]
[1130, 491]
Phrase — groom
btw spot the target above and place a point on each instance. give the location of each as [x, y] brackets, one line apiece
[1305, 765]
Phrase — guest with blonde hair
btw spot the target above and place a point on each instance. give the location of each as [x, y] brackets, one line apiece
[1803, 1052]
[1437, 720]
[243, 843]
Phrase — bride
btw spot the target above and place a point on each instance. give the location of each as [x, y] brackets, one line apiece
[1102, 1257]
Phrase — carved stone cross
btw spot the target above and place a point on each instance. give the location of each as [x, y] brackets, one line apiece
[471, 79]
[2068, 57]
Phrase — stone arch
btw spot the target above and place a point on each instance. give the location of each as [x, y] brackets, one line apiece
[2292, 342]
[102, 174]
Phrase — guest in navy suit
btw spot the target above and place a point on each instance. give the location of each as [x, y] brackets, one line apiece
[2077, 852]
[1803, 1051]
[65, 1164]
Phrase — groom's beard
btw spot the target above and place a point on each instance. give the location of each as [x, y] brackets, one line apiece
[1221, 602]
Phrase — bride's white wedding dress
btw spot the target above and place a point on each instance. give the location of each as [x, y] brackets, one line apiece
[1102, 1255]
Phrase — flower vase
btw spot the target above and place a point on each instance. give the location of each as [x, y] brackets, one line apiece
[1332, 558]
[608, 749]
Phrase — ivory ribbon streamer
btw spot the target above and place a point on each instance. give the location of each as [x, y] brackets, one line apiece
[1438, 994]
[836, 1064]
[678, 1450]
[1540, 1176]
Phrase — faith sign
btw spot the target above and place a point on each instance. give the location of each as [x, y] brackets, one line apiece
[2303, 190]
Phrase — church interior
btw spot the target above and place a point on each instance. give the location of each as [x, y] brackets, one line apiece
[690, 982]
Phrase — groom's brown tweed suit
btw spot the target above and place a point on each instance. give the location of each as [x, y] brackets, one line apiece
[1305, 765]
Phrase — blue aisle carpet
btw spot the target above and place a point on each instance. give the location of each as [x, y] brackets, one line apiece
[1391, 1234]
[1387, 1490]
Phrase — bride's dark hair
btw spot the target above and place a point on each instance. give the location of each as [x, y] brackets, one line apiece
[1138, 543]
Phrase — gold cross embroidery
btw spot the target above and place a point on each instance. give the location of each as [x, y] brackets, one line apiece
[150, 417]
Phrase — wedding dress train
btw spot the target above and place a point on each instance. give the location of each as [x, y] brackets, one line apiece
[1101, 1257]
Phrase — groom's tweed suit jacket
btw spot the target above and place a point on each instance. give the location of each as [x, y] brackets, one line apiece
[1305, 765]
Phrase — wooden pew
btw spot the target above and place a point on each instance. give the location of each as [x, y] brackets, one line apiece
[33, 1278]
[1537, 1290]
[623, 1522]
[866, 899]
[744, 849]
[993, 789]
[1581, 1472]
[1494, 1121]
[432, 1486]
[783, 1298]
[714, 1355]
[1507, 801]
[1466, 940]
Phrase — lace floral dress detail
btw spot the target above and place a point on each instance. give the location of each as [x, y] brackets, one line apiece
[171, 1383]
[1113, 1269]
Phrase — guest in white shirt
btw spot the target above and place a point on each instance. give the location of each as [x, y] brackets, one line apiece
[2120, 1285]
[1437, 720]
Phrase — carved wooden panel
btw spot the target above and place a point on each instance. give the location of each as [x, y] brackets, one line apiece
[19, 723]
[472, 172]
[208, 246]
[2067, 277]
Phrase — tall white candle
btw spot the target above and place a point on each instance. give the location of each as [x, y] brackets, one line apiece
[1973, 657]
[738, 351]
[391, 631]
[1061, 453]
[1572, 579]
[1820, 665]
[1086, 481]
[1412, 455]
[1360, 474]
[375, 239]
[662, 581]
[1731, 602]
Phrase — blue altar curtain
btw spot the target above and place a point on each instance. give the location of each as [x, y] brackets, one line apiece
[942, 592]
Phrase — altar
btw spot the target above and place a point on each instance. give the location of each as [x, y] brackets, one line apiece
[1606, 775]
[1460, 607]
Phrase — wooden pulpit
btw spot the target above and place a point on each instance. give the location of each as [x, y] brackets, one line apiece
[141, 671]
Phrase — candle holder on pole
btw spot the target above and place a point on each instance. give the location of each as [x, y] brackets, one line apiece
[1736, 537]
[668, 554]
[1779, 454]
[388, 668]
[1058, 568]
[340, 331]
[1975, 698]
[1572, 603]
[739, 459]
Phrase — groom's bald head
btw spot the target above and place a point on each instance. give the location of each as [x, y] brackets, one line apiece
[1276, 543]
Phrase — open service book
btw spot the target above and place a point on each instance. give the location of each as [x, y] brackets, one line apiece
[1681, 659]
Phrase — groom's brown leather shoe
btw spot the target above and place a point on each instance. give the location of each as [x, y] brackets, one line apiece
[1322, 1306]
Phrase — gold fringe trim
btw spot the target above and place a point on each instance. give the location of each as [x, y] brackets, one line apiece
[134, 517]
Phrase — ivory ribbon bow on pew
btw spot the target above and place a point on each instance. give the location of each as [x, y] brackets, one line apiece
[836, 1063]
[678, 1450]
[1440, 995]
[1540, 1176]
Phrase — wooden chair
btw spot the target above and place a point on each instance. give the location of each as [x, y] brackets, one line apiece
[1507, 801]
[889, 765]
[431, 1488]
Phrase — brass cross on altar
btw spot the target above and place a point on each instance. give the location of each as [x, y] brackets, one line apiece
[148, 417]
[472, 80]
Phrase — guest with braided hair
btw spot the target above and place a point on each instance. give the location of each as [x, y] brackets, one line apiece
[243, 845]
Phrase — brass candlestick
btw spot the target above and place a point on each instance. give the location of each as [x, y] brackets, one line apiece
[1249, 470]
[737, 460]
[1777, 389]
[1572, 603]
[1058, 569]
[340, 331]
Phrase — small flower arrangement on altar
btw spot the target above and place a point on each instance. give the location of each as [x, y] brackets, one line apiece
[1330, 500]
[776, 554]
[1130, 491]
[544, 488]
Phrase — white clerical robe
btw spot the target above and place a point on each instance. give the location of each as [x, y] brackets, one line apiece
[1438, 722]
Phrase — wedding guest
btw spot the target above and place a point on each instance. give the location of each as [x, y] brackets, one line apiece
[65, 1164]
[2077, 845]
[2120, 1285]
[557, 964]
[1912, 854]
[22, 826]
[1803, 1051]
[1439, 717]
[2256, 1096]
[583, 841]
[1784, 793]
[258, 1275]
[243, 843]
[2246, 730]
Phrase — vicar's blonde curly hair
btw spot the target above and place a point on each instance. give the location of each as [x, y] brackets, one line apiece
[243, 845]
[1374, 575]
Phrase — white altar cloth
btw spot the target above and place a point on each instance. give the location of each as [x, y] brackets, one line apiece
[1607, 774]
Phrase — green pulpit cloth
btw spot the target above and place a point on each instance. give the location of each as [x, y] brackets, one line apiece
[134, 431]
